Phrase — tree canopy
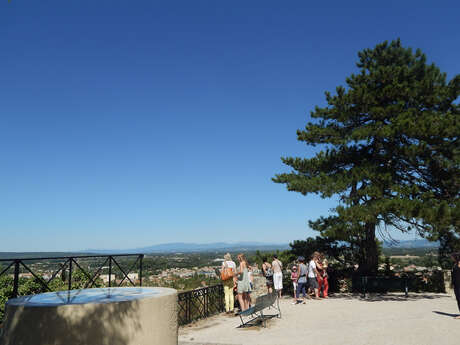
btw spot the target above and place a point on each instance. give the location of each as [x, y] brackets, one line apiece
[388, 149]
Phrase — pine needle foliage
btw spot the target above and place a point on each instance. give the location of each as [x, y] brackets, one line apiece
[388, 149]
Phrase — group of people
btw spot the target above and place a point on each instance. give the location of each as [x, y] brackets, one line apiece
[306, 278]
[310, 278]
[240, 279]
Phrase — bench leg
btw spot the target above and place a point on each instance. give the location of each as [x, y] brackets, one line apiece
[242, 323]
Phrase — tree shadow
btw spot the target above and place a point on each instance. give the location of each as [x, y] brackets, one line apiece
[97, 323]
[445, 314]
[379, 297]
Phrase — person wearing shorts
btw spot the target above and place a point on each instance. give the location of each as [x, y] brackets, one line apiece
[312, 274]
[277, 267]
[268, 273]
[294, 276]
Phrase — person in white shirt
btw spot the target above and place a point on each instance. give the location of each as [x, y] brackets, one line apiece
[312, 274]
[277, 275]
[229, 284]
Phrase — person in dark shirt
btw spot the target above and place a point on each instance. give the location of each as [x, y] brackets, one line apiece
[456, 279]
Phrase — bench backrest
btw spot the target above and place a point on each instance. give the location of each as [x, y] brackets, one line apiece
[265, 301]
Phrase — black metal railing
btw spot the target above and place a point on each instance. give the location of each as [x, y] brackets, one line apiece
[200, 303]
[368, 284]
[68, 265]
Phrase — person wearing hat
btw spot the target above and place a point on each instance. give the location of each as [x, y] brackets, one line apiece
[294, 276]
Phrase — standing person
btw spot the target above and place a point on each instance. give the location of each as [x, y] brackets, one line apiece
[322, 275]
[277, 275]
[302, 280]
[456, 279]
[325, 276]
[294, 276]
[228, 284]
[243, 286]
[313, 274]
[251, 284]
[268, 273]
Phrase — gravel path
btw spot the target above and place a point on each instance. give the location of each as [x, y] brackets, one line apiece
[422, 319]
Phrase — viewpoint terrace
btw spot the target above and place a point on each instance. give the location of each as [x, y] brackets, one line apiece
[420, 319]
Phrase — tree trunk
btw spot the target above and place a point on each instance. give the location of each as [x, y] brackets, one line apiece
[369, 259]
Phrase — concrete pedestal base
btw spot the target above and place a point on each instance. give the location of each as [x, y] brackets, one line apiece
[116, 316]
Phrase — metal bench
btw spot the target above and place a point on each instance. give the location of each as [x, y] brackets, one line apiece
[384, 284]
[256, 312]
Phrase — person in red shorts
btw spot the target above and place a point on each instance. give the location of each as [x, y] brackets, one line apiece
[323, 283]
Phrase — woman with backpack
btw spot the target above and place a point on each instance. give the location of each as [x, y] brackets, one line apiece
[302, 281]
[227, 275]
[268, 273]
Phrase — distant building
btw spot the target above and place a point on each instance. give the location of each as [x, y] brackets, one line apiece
[26, 275]
[133, 276]
[105, 278]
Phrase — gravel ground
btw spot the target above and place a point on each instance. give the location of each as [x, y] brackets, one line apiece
[421, 319]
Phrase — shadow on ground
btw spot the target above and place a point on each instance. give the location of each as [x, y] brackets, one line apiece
[445, 314]
[388, 297]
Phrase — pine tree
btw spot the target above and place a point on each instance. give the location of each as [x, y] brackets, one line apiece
[389, 151]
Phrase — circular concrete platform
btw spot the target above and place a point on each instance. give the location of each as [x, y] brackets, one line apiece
[108, 316]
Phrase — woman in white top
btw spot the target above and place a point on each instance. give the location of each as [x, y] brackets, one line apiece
[229, 284]
[313, 273]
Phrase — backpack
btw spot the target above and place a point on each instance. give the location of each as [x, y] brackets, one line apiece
[268, 272]
[226, 273]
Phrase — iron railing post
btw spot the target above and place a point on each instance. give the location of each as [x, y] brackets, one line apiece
[406, 287]
[189, 299]
[69, 285]
[16, 278]
[222, 298]
[206, 302]
[364, 283]
[110, 271]
[140, 269]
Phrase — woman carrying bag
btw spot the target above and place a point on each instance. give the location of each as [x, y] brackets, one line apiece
[227, 275]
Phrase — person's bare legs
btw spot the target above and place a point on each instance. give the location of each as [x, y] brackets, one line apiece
[246, 300]
[317, 293]
[242, 302]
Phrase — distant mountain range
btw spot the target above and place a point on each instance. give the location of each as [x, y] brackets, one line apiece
[181, 247]
[420, 243]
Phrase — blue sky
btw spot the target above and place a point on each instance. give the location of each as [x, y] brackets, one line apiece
[130, 123]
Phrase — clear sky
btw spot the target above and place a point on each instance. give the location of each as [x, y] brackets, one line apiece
[131, 123]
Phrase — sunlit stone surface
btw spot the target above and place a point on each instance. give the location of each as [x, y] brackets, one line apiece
[115, 316]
